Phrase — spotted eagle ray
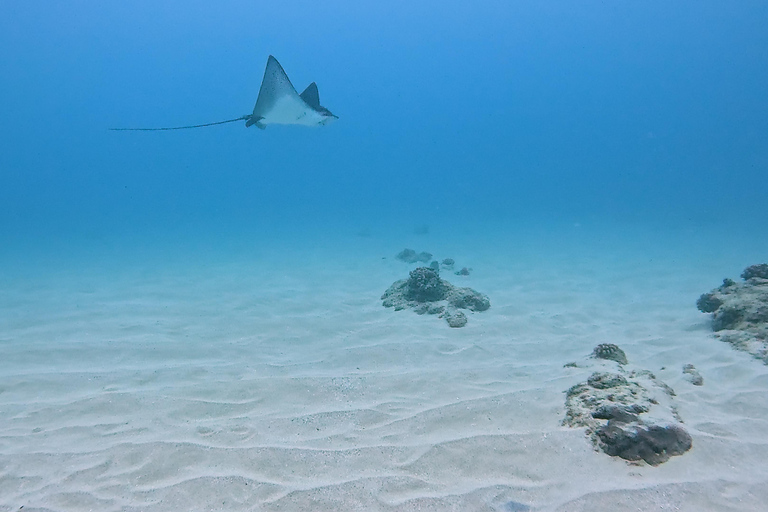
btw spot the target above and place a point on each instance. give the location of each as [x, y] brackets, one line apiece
[278, 103]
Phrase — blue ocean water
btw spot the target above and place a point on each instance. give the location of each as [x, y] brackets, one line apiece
[450, 113]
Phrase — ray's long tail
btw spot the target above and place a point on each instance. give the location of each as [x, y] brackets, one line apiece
[241, 118]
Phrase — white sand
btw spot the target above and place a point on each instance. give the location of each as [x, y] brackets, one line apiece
[269, 377]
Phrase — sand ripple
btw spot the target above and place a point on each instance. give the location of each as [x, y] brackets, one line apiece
[284, 390]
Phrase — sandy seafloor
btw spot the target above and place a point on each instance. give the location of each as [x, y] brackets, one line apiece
[264, 374]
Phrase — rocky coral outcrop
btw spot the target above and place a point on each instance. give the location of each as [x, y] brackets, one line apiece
[628, 413]
[426, 293]
[740, 311]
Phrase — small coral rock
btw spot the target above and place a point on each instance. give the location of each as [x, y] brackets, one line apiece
[456, 319]
[693, 375]
[611, 352]
[467, 298]
[411, 256]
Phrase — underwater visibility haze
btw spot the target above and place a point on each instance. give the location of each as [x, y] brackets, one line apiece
[452, 111]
